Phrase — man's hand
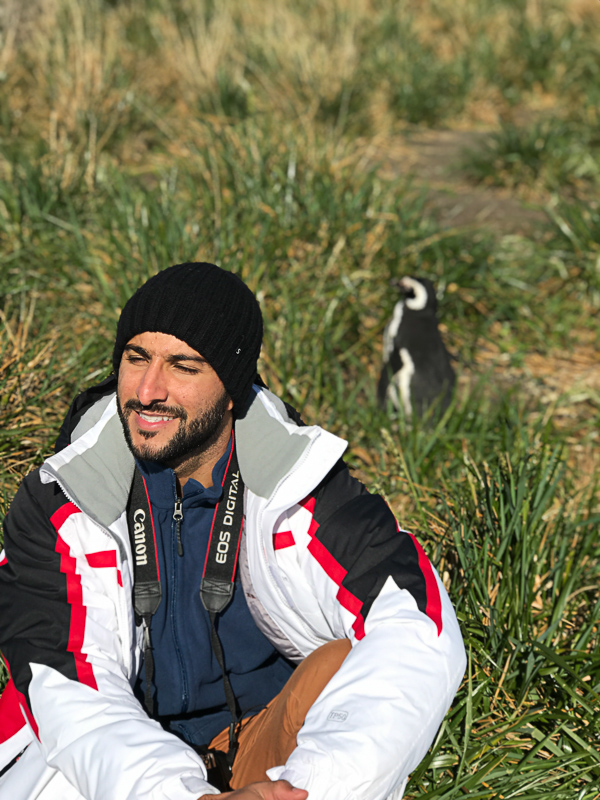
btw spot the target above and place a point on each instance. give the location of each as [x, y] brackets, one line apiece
[264, 790]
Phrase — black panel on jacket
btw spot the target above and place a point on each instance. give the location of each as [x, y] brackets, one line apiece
[343, 504]
[33, 583]
[336, 489]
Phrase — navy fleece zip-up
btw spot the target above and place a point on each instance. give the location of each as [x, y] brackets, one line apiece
[188, 683]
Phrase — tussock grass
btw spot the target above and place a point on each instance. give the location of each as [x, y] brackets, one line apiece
[551, 155]
[135, 134]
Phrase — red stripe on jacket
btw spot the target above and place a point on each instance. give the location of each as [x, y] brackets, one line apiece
[11, 716]
[283, 539]
[105, 558]
[12, 706]
[334, 570]
[434, 600]
[68, 565]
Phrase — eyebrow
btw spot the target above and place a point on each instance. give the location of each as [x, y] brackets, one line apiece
[175, 358]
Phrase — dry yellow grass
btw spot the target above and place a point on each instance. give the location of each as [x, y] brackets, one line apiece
[79, 72]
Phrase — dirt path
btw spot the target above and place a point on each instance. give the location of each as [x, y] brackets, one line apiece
[434, 159]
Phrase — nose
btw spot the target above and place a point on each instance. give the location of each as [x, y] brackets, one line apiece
[152, 387]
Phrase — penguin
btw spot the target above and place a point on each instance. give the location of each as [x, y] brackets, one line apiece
[417, 370]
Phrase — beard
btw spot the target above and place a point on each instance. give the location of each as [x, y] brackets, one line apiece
[192, 436]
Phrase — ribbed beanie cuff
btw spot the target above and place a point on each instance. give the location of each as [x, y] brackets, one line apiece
[210, 309]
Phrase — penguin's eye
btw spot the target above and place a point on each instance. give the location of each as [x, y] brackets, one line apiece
[409, 294]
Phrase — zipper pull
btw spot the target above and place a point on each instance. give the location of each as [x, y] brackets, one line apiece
[178, 517]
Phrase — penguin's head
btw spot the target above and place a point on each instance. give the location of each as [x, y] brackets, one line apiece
[418, 293]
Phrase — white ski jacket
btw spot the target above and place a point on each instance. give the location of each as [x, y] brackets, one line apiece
[321, 559]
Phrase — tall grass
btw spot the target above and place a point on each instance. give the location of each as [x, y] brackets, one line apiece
[134, 135]
[552, 154]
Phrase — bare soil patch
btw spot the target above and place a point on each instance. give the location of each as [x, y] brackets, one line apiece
[434, 159]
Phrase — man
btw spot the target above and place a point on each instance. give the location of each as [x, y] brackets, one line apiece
[137, 660]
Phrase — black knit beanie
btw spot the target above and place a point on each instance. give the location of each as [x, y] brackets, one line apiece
[208, 308]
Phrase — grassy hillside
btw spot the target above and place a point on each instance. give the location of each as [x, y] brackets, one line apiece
[291, 142]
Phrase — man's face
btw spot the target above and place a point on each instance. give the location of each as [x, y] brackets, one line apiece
[171, 401]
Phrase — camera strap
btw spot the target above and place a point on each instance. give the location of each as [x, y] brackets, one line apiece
[217, 584]
[216, 588]
[147, 592]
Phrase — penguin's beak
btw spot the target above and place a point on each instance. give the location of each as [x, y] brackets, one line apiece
[403, 286]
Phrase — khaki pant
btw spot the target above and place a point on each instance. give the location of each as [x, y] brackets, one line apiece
[267, 739]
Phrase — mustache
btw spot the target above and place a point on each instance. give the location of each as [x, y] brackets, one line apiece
[155, 408]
